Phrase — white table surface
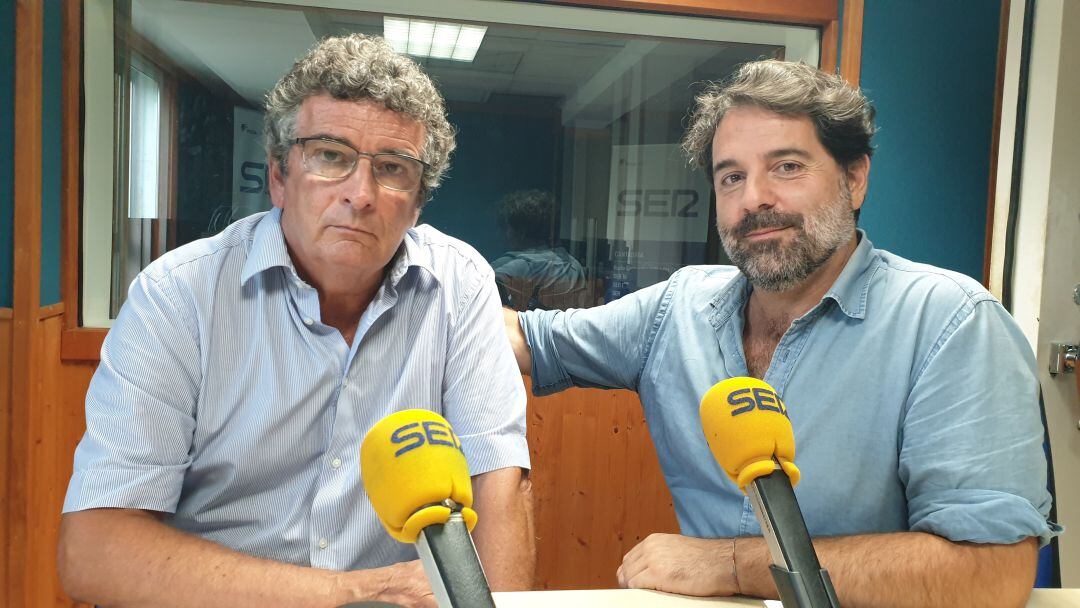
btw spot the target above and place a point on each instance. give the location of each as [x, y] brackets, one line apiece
[636, 598]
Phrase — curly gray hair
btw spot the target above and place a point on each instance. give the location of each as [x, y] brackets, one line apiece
[353, 68]
[842, 116]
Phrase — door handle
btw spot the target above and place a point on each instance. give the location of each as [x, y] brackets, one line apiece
[1063, 358]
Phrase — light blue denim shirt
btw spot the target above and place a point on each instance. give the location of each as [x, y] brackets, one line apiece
[224, 401]
[911, 391]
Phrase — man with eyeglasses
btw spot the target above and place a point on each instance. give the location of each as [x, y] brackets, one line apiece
[220, 465]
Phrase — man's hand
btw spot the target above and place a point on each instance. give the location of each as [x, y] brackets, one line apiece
[680, 564]
[404, 584]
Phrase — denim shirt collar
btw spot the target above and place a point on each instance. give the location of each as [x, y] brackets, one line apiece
[268, 250]
[851, 288]
[849, 291]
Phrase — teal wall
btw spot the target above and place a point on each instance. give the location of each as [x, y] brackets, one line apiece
[929, 68]
[497, 154]
[52, 149]
[51, 145]
[7, 135]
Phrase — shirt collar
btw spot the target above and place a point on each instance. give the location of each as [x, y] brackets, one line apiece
[851, 288]
[268, 248]
[411, 254]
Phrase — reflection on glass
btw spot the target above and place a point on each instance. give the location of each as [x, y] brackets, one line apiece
[534, 273]
[144, 146]
[569, 101]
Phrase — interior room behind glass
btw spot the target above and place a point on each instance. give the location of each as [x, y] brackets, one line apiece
[568, 175]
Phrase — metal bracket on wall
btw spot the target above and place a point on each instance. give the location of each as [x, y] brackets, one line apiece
[1063, 358]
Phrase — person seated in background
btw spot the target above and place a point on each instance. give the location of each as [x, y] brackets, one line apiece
[535, 274]
[912, 392]
[220, 465]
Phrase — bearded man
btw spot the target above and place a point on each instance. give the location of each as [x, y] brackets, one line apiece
[912, 393]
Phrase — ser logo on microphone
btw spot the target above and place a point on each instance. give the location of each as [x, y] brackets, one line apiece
[416, 434]
[748, 399]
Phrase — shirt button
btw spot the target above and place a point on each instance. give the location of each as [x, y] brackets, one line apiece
[309, 321]
[345, 382]
[336, 463]
[323, 543]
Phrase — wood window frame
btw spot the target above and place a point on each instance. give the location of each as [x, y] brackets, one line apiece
[84, 343]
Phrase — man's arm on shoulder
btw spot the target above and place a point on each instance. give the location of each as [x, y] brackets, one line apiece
[127, 557]
[504, 534]
[522, 353]
[599, 347]
[901, 569]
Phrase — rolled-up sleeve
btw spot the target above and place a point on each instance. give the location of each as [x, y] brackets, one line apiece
[484, 397]
[140, 407]
[971, 454]
[602, 347]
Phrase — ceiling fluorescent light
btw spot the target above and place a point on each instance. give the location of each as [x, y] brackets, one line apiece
[420, 35]
[444, 40]
[396, 32]
[468, 42]
[437, 39]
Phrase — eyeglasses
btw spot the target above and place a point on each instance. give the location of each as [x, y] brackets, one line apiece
[336, 160]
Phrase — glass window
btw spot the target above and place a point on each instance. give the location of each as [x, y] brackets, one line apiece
[141, 113]
[568, 175]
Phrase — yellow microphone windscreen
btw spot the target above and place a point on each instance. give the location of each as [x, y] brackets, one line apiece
[411, 461]
[747, 426]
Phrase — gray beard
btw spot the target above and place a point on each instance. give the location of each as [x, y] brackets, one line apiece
[775, 266]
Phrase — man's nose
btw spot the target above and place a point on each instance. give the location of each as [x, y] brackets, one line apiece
[758, 193]
[360, 186]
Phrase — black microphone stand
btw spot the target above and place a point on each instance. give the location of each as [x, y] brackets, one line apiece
[449, 558]
[798, 575]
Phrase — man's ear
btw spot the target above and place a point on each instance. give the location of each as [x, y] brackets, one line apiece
[858, 179]
[277, 182]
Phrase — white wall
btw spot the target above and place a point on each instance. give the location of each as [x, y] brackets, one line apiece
[1047, 260]
[1058, 316]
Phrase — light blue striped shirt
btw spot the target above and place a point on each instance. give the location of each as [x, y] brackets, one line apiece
[222, 400]
[911, 391]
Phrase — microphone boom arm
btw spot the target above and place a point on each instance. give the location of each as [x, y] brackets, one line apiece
[449, 558]
[798, 575]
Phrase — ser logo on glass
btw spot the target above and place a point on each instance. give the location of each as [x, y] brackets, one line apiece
[416, 434]
[256, 176]
[748, 399]
[659, 202]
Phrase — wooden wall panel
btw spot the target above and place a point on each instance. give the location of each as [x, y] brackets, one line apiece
[597, 485]
[26, 267]
[811, 12]
[851, 62]
[45, 437]
[5, 438]
[54, 426]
